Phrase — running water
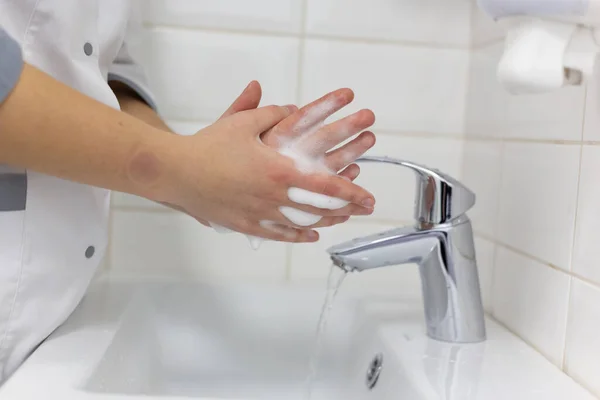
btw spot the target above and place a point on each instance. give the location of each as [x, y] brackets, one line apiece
[334, 281]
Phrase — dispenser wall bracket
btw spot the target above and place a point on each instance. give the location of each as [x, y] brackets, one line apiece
[549, 44]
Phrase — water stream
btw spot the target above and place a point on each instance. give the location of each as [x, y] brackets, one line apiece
[334, 281]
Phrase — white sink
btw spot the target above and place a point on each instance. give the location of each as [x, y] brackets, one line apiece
[182, 341]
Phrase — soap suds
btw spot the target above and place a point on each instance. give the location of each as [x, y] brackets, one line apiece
[299, 217]
[303, 196]
[255, 241]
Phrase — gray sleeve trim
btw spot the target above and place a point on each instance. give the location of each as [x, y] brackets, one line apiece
[138, 89]
[11, 64]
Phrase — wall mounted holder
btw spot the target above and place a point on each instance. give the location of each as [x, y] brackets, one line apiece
[549, 43]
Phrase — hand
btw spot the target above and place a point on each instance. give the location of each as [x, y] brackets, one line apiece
[225, 175]
[306, 132]
[340, 159]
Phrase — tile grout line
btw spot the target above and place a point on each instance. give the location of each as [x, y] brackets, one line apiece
[303, 35]
[523, 339]
[572, 255]
[472, 12]
[537, 260]
[495, 227]
[482, 138]
[467, 94]
[534, 347]
[487, 43]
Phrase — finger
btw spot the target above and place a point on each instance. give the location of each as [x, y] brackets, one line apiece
[351, 172]
[280, 218]
[255, 122]
[347, 211]
[282, 233]
[335, 186]
[308, 116]
[350, 152]
[248, 100]
[335, 133]
[330, 221]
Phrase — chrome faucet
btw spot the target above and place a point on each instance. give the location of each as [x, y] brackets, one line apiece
[441, 243]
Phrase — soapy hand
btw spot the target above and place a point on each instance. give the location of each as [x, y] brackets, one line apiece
[305, 127]
[305, 137]
[227, 176]
[339, 160]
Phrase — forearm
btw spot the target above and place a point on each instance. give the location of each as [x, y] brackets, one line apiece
[50, 128]
[133, 105]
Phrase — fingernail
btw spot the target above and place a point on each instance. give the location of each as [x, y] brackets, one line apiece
[368, 203]
[312, 235]
[291, 108]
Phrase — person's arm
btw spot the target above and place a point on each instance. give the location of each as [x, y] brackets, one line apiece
[46, 126]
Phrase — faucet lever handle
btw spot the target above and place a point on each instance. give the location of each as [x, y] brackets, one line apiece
[440, 197]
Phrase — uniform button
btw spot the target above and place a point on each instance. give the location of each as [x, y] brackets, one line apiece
[89, 252]
[88, 49]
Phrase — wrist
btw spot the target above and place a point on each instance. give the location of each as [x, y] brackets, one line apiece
[154, 166]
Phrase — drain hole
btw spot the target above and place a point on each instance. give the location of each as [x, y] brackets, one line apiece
[374, 371]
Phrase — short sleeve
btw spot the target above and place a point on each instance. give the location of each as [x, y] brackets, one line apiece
[126, 70]
[11, 64]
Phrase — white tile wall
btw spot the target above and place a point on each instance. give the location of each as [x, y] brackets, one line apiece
[427, 21]
[550, 116]
[532, 300]
[483, 30]
[546, 284]
[591, 131]
[195, 75]
[405, 85]
[538, 200]
[483, 181]
[259, 15]
[486, 118]
[586, 254]
[172, 244]
[583, 341]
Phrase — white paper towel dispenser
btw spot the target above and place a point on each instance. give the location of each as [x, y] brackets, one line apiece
[549, 43]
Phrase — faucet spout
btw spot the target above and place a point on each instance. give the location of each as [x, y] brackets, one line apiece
[446, 259]
[406, 245]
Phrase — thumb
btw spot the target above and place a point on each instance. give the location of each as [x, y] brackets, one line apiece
[264, 118]
[248, 100]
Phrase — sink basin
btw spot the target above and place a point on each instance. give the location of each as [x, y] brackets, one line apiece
[130, 341]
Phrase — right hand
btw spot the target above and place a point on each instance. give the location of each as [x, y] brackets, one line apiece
[225, 175]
